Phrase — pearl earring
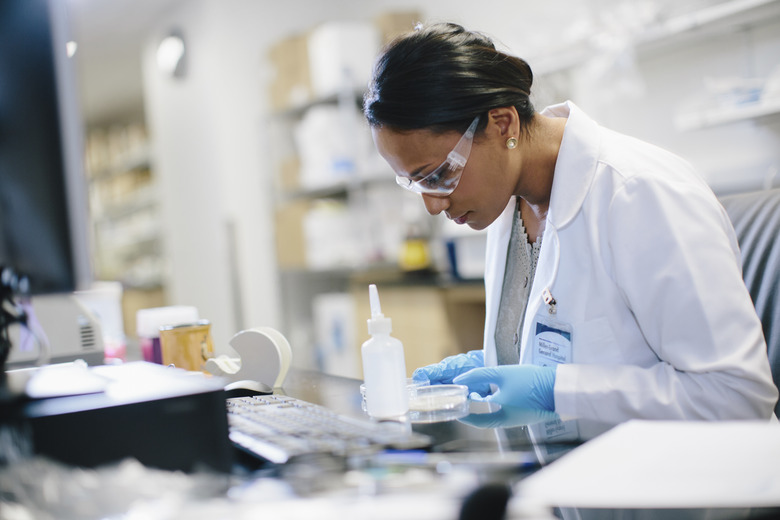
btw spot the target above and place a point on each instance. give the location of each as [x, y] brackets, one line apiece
[511, 143]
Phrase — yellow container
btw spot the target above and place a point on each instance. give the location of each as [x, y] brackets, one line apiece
[187, 346]
[415, 255]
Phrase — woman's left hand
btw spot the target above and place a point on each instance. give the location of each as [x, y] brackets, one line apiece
[521, 386]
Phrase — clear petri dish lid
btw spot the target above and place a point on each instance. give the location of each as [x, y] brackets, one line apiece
[439, 397]
[438, 403]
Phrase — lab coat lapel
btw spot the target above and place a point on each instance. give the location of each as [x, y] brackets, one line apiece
[546, 272]
[575, 169]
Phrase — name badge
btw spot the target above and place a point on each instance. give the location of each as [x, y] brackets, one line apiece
[552, 342]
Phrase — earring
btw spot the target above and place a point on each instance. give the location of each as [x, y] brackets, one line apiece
[511, 143]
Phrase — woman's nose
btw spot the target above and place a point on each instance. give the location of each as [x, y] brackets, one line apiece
[435, 205]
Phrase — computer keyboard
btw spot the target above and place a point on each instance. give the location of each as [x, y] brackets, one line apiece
[279, 428]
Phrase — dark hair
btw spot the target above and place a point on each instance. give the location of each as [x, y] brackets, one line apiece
[441, 77]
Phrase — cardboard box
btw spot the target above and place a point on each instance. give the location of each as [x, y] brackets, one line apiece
[291, 85]
[289, 175]
[394, 24]
[290, 243]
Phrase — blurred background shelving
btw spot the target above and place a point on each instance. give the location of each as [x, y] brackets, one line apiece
[125, 216]
[252, 190]
[341, 222]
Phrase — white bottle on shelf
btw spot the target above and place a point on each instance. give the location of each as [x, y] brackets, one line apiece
[384, 368]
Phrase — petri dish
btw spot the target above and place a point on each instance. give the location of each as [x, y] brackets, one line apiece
[438, 403]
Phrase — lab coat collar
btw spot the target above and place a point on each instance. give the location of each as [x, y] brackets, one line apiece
[575, 167]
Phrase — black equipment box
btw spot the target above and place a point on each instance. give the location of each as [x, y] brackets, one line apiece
[165, 418]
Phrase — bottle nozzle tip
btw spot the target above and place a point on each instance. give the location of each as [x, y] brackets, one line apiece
[373, 298]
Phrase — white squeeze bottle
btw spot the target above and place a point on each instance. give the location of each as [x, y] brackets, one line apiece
[384, 368]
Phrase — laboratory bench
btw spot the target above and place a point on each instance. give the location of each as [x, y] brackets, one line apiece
[483, 465]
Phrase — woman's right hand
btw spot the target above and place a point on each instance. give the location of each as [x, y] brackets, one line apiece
[449, 368]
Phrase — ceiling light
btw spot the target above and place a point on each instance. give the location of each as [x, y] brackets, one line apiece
[170, 55]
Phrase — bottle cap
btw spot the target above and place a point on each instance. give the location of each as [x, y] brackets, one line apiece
[149, 321]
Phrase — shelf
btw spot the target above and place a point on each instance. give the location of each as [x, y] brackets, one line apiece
[725, 16]
[148, 283]
[664, 34]
[141, 199]
[725, 115]
[137, 159]
[297, 111]
[142, 245]
[339, 189]
[376, 269]
[389, 274]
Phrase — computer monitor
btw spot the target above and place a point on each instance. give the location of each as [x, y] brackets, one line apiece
[44, 230]
[43, 201]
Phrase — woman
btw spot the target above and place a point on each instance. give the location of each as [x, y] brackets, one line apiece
[613, 277]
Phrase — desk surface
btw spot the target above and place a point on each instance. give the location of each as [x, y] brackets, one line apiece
[483, 432]
[503, 447]
[473, 457]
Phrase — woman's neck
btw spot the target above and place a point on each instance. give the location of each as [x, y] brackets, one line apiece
[538, 172]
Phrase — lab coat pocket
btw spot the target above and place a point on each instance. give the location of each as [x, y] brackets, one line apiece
[595, 342]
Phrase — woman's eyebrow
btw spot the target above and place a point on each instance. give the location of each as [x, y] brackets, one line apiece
[418, 170]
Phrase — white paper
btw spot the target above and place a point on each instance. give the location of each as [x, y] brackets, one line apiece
[660, 464]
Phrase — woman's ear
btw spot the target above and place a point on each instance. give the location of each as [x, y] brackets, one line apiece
[504, 121]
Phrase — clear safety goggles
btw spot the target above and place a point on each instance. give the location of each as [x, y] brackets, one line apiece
[443, 180]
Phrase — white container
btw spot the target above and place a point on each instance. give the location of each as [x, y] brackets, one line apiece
[341, 55]
[334, 326]
[326, 139]
[466, 250]
[104, 299]
[330, 238]
[384, 367]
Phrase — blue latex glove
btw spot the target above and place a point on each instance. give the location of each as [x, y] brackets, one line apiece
[520, 386]
[443, 372]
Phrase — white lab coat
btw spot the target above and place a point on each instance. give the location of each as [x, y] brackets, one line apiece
[644, 265]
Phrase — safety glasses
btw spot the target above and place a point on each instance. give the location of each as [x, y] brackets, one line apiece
[443, 180]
